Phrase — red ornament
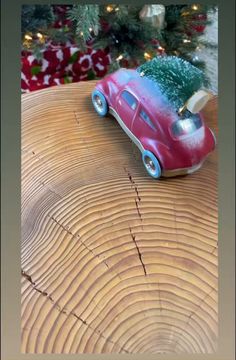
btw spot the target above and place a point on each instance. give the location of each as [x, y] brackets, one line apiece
[199, 28]
[105, 26]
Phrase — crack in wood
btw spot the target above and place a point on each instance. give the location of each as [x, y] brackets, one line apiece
[138, 251]
[133, 184]
[28, 277]
[66, 312]
[62, 226]
[44, 293]
[76, 117]
[79, 318]
[77, 236]
[138, 210]
[136, 190]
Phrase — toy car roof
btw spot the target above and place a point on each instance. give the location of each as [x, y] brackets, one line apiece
[144, 89]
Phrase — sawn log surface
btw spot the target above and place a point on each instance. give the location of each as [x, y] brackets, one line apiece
[113, 261]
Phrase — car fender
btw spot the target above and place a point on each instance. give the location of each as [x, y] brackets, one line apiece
[161, 151]
[109, 90]
[102, 86]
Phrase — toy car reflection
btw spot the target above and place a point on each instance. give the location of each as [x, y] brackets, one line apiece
[171, 143]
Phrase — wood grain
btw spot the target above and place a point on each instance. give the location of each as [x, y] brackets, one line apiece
[113, 261]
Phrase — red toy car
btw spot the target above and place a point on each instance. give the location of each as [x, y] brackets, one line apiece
[170, 143]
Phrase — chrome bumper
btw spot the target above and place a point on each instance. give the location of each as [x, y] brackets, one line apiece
[183, 171]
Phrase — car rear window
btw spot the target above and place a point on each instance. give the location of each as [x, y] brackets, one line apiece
[130, 99]
[146, 119]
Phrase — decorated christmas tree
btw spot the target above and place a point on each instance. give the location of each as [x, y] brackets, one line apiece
[107, 37]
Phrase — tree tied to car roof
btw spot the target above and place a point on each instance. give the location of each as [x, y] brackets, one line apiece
[177, 79]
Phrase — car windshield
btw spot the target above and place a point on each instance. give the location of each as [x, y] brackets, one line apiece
[186, 126]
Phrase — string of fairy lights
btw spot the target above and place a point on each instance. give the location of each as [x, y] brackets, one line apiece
[29, 38]
[40, 38]
[147, 56]
[111, 8]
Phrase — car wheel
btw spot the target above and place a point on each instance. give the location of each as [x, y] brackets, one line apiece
[151, 164]
[99, 103]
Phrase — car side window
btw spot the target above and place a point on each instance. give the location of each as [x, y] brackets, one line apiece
[147, 119]
[130, 99]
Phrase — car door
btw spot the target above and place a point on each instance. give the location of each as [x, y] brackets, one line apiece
[126, 107]
[144, 128]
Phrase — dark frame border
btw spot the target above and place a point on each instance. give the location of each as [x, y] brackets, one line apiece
[10, 166]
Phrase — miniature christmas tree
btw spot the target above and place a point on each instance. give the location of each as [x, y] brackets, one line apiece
[177, 79]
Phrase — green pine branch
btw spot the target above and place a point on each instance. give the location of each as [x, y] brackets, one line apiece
[85, 20]
[35, 18]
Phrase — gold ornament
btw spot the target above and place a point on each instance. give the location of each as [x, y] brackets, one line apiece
[155, 14]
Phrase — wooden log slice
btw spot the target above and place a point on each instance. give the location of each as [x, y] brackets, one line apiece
[113, 261]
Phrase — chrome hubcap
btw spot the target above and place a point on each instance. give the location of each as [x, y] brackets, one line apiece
[149, 164]
[98, 102]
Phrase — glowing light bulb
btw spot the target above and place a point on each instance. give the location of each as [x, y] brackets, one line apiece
[81, 33]
[116, 9]
[28, 37]
[39, 35]
[109, 8]
[147, 56]
[90, 29]
[195, 59]
[194, 7]
[120, 57]
[186, 41]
